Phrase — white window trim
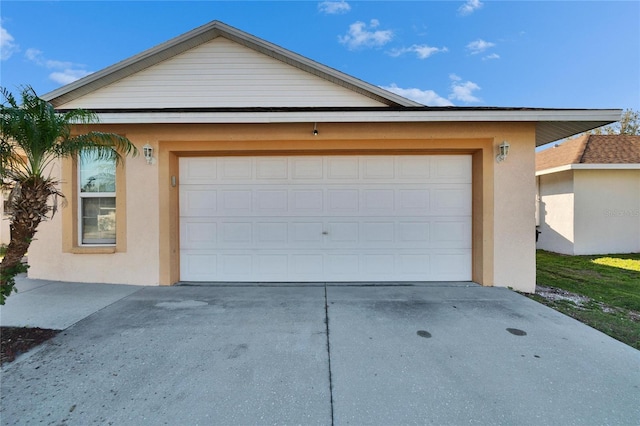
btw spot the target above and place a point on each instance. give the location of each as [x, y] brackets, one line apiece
[82, 195]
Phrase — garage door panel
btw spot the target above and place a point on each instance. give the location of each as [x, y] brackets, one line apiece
[237, 170]
[198, 234]
[378, 168]
[269, 234]
[377, 234]
[378, 201]
[413, 201]
[414, 167]
[451, 266]
[270, 266]
[452, 169]
[272, 168]
[269, 202]
[307, 168]
[234, 202]
[343, 168]
[307, 202]
[237, 266]
[309, 267]
[200, 266]
[343, 233]
[451, 200]
[395, 218]
[451, 233]
[306, 234]
[341, 201]
[236, 234]
[199, 201]
[414, 233]
[198, 171]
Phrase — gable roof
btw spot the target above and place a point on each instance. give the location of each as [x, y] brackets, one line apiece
[202, 35]
[550, 124]
[591, 149]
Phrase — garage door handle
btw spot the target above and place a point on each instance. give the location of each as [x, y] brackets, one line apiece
[325, 233]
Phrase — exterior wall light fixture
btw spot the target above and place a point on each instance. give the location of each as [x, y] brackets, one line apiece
[503, 151]
[315, 129]
[147, 150]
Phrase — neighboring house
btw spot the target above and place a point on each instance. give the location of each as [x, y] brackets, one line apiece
[589, 195]
[265, 166]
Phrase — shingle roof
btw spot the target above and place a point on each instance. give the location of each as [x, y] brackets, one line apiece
[591, 149]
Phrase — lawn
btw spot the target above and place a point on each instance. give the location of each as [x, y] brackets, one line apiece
[601, 291]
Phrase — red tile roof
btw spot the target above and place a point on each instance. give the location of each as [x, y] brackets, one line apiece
[591, 149]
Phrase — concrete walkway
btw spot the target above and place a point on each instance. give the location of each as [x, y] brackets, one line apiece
[450, 353]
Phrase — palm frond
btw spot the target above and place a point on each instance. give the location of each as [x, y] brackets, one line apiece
[42, 135]
[97, 145]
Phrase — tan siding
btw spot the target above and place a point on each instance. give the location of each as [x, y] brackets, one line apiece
[221, 73]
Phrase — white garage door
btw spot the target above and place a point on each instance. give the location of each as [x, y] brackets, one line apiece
[332, 218]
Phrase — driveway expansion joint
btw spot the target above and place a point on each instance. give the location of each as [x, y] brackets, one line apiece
[326, 322]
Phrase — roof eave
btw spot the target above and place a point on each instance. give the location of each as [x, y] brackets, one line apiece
[551, 124]
[599, 166]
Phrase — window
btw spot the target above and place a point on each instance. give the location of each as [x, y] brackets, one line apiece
[97, 206]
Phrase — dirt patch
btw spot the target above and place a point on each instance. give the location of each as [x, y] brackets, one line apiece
[18, 340]
[553, 294]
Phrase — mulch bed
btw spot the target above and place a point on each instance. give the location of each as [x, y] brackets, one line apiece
[18, 340]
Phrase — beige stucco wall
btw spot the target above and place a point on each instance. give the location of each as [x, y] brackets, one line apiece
[607, 211]
[514, 192]
[137, 265]
[148, 250]
[556, 207]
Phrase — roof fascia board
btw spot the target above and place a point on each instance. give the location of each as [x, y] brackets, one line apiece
[582, 166]
[548, 128]
[381, 115]
[207, 33]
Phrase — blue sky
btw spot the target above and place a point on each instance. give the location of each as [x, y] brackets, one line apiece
[548, 54]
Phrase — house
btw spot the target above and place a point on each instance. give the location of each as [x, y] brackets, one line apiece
[589, 195]
[5, 231]
[262, 165]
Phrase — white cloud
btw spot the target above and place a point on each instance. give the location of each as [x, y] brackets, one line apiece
[469, 7]
[67, 72]
[463, 90]
[7, 44]
[334, 7]
[34, 55]
[422, 51]
[68, 75]
[479, 46]
[425, 97]
[492, 56]
[359, 36]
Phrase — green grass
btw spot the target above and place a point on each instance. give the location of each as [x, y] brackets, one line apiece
[612, 283]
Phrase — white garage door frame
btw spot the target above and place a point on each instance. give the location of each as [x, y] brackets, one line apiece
[326, 218]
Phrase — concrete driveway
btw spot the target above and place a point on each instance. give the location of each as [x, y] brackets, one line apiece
[451, 353]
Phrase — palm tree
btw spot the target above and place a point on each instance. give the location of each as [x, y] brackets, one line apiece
[32, 136]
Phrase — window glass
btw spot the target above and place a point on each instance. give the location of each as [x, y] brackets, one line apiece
[97, 206]
[99, 220]
[97, 175]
